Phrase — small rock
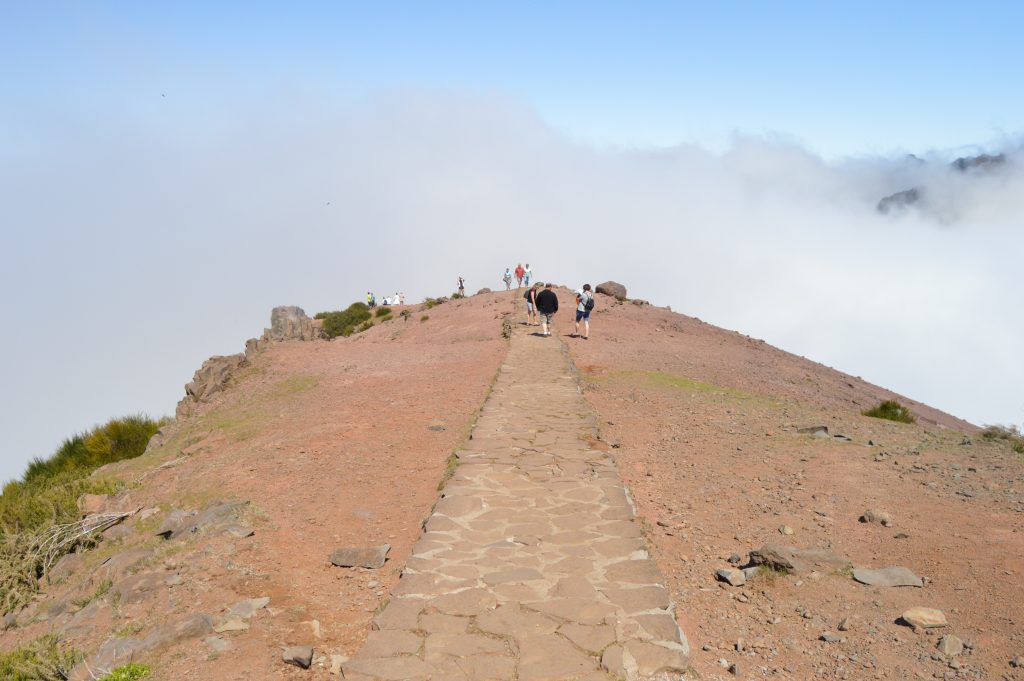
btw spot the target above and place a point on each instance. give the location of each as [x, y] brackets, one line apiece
[816, 431]
[845, 624]
[735, 559]
[239, 531]
[731, 576]
[336, 662]
[875, 515]
[300, 656]
[885, 577]
[367, 557]
[829, 638]
[1017, 662]
[88, 504]
[750, 573]
[437, 428]
[232, 624]
[786, 529]
[924, 618]
[799, 561]
[218, 644]
[734, 669]
[950, 646]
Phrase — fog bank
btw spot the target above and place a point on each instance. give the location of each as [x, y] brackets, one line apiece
[140, 246]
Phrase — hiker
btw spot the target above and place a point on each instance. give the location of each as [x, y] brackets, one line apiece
[395, 298]
[547, 306]
[519, 276]
[584, 304]
[507, 278]
[527, 274]
[401, 298]
[462, 287]
[370, 300]
[531, 305]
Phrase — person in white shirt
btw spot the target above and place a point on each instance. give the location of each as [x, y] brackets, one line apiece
[584, 304]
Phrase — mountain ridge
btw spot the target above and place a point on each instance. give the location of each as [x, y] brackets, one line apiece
[313, 445]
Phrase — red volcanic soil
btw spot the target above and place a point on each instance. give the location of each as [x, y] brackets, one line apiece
[705, 428]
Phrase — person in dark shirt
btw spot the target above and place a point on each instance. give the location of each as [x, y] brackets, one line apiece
[531, 305]
[547, 306]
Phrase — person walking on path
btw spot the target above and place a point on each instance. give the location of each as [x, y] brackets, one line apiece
[547, 306]
[370, 300]
[531, 305]
[507, 278]
[519, 276]
[462, 287]
[584, 304]
[527, 274]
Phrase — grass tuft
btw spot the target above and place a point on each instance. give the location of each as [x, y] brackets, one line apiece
[424, 318]
[891, 410]
[128, 672]
[100, 592]
[1009, 434]
[382, 312]
[449, 470]
[44, 659]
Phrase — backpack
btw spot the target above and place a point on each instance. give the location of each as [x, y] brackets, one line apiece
[589, 305]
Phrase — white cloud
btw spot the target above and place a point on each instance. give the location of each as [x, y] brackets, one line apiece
[143, 246]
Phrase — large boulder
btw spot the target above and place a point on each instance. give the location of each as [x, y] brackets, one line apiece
[612, 288]
[290, 322]
[210, 379]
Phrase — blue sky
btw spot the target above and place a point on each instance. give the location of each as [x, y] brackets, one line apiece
[166, 168]
[843, 78]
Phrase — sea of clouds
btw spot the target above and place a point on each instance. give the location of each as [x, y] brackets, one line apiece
[137, 247]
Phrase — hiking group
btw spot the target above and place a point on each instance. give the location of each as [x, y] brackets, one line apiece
[397, 299]
[522, 275]
[542, 304]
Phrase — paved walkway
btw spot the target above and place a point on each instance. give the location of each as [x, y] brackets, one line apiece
[532, 566]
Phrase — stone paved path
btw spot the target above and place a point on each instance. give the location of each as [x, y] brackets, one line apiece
[532, 566]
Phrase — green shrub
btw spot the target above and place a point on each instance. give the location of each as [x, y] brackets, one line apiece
[382, 312]
[892, 411]
[364, 326]
[47, 496]
[128, 672]
[344, 323]
[44, 659]
[456, 296]
[42, 503]
[431, 303]
[1008, 434]
[123, 438]
[424, 318]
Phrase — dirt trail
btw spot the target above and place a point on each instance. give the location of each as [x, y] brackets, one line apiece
[532, 565]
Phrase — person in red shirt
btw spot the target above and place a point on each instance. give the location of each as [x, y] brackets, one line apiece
[520, 272]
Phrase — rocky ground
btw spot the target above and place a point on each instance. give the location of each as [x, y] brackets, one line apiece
[224, 568]
[315, 446]
[705, 425]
